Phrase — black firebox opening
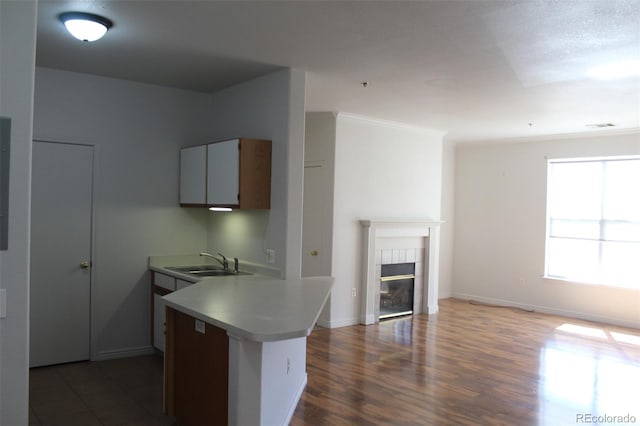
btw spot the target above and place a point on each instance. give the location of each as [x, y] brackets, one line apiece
[396, 289]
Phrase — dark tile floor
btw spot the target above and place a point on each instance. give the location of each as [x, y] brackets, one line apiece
[124, 391]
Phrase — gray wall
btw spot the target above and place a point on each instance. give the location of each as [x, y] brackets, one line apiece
[17, 61]
[137, 130]
[270, 107]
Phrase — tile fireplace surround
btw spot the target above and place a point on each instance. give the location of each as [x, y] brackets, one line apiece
[399, 241]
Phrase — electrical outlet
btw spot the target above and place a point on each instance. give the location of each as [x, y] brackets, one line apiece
[200, 326]
[353, 292]
[271, 255]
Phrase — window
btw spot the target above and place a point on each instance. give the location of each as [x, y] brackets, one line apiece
[593, 220]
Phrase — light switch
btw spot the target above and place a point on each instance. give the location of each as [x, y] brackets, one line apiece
[3, 302]
[271, 255]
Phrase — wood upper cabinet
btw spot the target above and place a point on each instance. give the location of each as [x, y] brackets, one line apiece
[234, 173]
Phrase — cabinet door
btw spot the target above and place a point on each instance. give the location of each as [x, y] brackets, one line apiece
[196, 380]
[193, 175]
[180, 284]
[159, 320]
[223, 173]
[164, 281]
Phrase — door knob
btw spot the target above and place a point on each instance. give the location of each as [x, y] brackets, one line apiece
[84, 264]
[314, 252]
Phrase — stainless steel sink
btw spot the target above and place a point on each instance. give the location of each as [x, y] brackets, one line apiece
[194, 268]
[217, 273]
[205, 271]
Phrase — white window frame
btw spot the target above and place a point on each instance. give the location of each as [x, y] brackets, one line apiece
[603, 276]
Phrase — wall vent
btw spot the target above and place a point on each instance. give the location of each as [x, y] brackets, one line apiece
[600, 125]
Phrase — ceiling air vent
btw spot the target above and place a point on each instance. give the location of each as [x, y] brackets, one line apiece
[600, 125]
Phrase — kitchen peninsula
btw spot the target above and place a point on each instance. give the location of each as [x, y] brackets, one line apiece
[236, 348]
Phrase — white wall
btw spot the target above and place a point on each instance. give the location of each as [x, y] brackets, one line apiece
[266, 380]
[137, 130]
[17, 62]
[319, 152]
[382, 170]
[445, 287]
[269, 107]
[500, 229]
[320, 136]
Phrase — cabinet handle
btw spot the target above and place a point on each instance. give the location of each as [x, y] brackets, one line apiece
[314, 252]
[84, 264]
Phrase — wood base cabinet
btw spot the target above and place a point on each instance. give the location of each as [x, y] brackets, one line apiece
[196, 371]
[236, 350]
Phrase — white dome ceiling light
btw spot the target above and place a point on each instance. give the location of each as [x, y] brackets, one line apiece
[85, 26]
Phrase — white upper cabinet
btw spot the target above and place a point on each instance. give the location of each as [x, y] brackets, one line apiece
[223, 173]
[234, 173]
[193, 175]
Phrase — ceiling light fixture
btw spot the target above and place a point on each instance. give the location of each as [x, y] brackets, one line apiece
[85, 26]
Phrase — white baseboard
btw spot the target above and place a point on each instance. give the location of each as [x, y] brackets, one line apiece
[548, 310]
[323, 323]
[368, 319]
[432, 309]
[445, 295]
[296, 399]
[123, 353]
[339, 323]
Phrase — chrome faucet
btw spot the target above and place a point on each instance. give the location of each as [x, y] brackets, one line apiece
[223, 261]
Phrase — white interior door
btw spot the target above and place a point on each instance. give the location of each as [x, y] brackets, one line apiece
[61, 221]
[315, 229]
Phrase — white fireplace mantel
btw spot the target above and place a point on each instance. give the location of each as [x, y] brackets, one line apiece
[374, 231]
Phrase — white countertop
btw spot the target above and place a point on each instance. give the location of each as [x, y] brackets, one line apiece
[254, 307]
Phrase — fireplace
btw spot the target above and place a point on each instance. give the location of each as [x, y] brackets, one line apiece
[396, 289]
[398, 241]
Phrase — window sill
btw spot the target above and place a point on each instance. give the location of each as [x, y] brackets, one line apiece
[629, 286]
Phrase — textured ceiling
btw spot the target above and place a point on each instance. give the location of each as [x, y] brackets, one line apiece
[477, 70]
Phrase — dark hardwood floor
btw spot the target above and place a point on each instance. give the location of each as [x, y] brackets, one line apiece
[467, 365]
[126, 391]
[472, 365]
